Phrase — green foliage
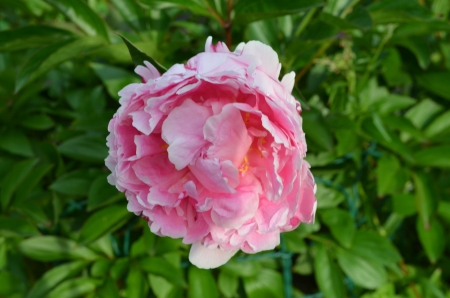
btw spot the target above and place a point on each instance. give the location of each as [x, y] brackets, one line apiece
[373, 80]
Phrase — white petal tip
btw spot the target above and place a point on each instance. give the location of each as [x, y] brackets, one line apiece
[207, 258]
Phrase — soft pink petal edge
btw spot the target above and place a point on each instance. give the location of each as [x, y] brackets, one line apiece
[208, 258]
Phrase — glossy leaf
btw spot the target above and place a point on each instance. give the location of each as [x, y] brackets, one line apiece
[161, 267]
[327, 273]
[201, 283]
[55, 276]
[139, 57]
[267, 283]
[432, 237]
[51, 248]
[364, 273]
[75, 287]
[426, 197]
[85, 148]
[341, 225]
[103, 221]
[438, 156]
[253, 10]
[82, 15]
[114, 78]
[46, 58]
[13, 180]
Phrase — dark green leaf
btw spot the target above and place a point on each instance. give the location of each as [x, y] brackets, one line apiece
[75, 287]
[192, 5]
[436, 82]
[16, 226]
[31, 37]
[328, 276]
[160, 267]
[100, 267]
[104, 221]
[51, 248]
[432, 236]
[341, 225]
[82, 15]
[316, 130]
[16, 142]
[419, 47]
[109, 289]
[54, 276]
[86, 148]
[102, 193]
[46, 58]
[404, 204]
[10, 284]
[440, 125]
[74, 183]
[132, 13]
[364, 272]
[360, 17]
[139, 57]
[399, 11]
[114, 78]
[38, 122]
[253, 10]
[13, 179]
[426, 197]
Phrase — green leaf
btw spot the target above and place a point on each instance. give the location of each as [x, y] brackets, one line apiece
[423, 112]
[341, 225]
[10, 284]
[38, 122]
[46, 58]
[104, 221]
[51, 248]
[195, 6]
[444, 210]
[432, 236]
[75, 287]
[54, 276]
[102, 193]
[436, 82]
[108, 289]
[399, 11]
[201, 283]
[419, 47]
[135, 283]
[328, 276]
[85, 148]
[160, 286]
[392, 103]
[16, 142]
[228, 284]
[81, 15]
[31, 181]
[374, 247]
[16, 226]
[241, 269]
[364, 272]
[267, 283]
[74, 183]
[100, 267]
[31, 37]
[161, 267]
[114, 78]
[119, 267]
[254, 10]
[132, 13]
[439, 126]
[13, 179]
[404, 204]
[390, 175]
[438, 156]
[360, 17]
[139, 56]
[426, 196]
[316, 130]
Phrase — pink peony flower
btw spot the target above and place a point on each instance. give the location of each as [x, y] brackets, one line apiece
[212, 152]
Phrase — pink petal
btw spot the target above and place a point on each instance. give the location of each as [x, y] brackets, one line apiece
[266, 54]
[231, 212]
[207, 258]
[148, 72]
[209, 174]
[228, 133]
[183, 131]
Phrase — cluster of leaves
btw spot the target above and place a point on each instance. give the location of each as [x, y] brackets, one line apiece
[373, 79]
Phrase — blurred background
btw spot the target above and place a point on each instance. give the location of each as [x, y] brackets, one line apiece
[374, 83]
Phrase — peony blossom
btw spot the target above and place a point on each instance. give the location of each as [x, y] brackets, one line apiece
[212, 152]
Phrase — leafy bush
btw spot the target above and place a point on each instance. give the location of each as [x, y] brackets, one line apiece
[374, 82]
